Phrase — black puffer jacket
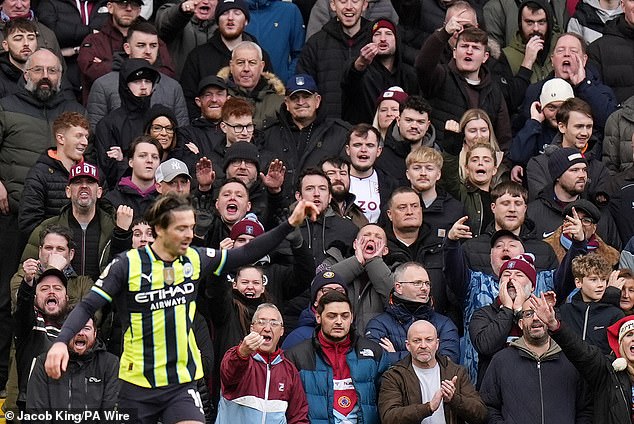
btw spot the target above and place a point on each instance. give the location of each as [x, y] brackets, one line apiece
[614, 55]
[360, 89]
[44, 191]
[324, 57]
[300, 149]
[90, 383]
[25, 131]
[611, 390]
[478, 250]
[122, 125]
[450, 94]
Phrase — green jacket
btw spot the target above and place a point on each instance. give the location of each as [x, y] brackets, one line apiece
[514, 53]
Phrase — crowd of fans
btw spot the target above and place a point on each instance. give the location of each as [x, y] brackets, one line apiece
[318, 211]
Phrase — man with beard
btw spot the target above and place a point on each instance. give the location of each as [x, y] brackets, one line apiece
[551, 387]
[336, 357]
[40, 311]
[378, 67]
[302, 136]
[569, 171]
[90, 221]
[475, 289]
[97, 51]
[329, 229]
[89, 362]
[575, 125]
[343, 202]
[25, 133]
[20, 41]
[425, 385]
[411, 129]
[529, 51]
[207, 59]
[371, 186]
[409, 301]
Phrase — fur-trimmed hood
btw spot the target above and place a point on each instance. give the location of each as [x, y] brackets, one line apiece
[272, 82]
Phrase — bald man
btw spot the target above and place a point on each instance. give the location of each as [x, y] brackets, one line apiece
[425, 384]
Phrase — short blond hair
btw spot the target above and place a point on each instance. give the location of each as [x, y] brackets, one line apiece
[424, 154]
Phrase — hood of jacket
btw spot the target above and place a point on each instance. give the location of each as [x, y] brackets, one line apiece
[543, 55]
[552, 353]
[9, 69]
[128, 100]
[406, 311]
[269, 83]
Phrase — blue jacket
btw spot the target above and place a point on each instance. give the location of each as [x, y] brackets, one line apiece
[367, 363]
[304, 331]
[474, 290]
[396, 320]
[279, 28]
[530, 141]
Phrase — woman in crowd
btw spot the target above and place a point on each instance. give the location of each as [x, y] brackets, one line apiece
[388, 108]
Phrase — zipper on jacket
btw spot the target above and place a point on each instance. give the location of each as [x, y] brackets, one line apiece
[541, 389]
[266, 390]
[83, 246]
[585, 321]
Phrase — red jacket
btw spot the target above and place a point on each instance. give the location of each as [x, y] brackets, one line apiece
[260, 389]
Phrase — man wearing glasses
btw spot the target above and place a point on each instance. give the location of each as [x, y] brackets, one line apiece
[258, 383]
[409, 301]
[532, 379]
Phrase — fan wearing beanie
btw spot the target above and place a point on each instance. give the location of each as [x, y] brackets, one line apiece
[378, 66]
[610, 380]
[494, 326]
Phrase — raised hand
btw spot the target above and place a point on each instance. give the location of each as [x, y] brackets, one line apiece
[460, 230]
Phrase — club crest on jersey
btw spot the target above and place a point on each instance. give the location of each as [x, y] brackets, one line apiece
[188, 270]
[211, 252]
[344, 402]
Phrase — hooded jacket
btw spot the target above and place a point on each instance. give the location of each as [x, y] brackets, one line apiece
[400, 395]
[127, 193]
[360, 89]
[44, 192]
[121, 126]
[283, 39]
[548, 215]
[516, 49]
[267, 96]
[103, 45]
[399, 315]
[590, 19]
[90, 383]
[524, 388]
[25, 132]
[538, 173]
[324, 57]
[104, 95]
[328, 229]
[617, 141]
[9, 75]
